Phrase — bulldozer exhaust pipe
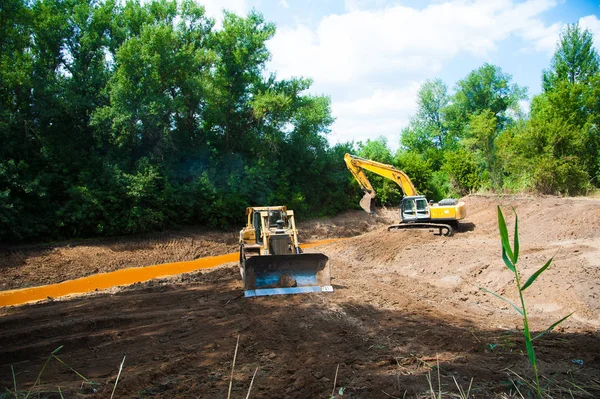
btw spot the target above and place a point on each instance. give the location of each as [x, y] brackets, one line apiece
[286, 274]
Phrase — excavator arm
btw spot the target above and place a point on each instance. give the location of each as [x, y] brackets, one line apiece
[358, 165]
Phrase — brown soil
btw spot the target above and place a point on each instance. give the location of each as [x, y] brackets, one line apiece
[403, 301]
[33, 265]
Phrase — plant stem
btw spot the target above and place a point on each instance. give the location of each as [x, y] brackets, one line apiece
[528, 341]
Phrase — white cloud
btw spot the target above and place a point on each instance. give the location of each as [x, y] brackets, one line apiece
[364, 54]
[592, 23]
[354, 5]
[214, 8]
[284, 3]
[545, 38]
[360, 44]
[542, 38]
[383, 113]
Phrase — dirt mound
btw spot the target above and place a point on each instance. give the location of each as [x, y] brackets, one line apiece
[566, 229]
[403, 301]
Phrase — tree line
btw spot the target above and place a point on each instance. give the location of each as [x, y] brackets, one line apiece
[120, 118]
[479, 138]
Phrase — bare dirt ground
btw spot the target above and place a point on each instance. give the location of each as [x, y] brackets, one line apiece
[403, 302]
[33, 265]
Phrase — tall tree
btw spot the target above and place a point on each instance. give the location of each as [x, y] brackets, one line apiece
[486, 88]
[242, 56]
[432, 101]
[575, 59]
[571, 92]
[427, 132]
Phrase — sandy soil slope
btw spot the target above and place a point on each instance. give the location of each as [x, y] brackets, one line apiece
[403, 301]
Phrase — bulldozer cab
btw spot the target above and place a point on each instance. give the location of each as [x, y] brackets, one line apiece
[276, 221]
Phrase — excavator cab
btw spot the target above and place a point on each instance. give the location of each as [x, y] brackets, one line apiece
[415, 208]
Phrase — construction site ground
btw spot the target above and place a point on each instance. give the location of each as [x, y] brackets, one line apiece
[406, 306]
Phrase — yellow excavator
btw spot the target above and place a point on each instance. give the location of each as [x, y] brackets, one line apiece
[415, 211]
[271, 261]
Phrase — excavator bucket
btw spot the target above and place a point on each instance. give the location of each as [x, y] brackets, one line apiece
[368, 203]
[286, 274]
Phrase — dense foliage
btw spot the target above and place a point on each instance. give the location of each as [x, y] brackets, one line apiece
[122, 118]
[479, 138]
[125, 117]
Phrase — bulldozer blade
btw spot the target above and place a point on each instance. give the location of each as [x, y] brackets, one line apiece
[367, 203]
[286, 274]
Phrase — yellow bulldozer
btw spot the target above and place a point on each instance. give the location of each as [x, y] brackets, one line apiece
[415, 211]
[271, 260]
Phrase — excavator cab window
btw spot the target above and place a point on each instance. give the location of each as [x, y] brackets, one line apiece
[422, 208]
[409, 209]
[415, 209]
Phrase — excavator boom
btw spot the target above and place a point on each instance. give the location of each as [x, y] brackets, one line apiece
[357, 164]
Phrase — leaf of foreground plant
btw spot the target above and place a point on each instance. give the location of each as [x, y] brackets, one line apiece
[552, 326]
[516, 239]
[507, 261]
[504, 237]
[504, 299]
[529, 346]
[535, 275]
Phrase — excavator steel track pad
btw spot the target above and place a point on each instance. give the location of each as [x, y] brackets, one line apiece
[286, 274]
[443, 229]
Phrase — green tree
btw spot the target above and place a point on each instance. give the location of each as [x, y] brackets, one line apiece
[427, 132]
[480, 137]
[242, 54]
[419, 170]
[486, 88]
[127, 117]
[564, 120]
[158, 84]
[549, 153]
[575, 59]
[375, 150]
[464, 171]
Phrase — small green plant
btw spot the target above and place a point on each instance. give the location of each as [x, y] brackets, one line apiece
[510, 256]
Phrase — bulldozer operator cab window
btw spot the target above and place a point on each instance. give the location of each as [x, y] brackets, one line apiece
[275, 217]
[257, 227]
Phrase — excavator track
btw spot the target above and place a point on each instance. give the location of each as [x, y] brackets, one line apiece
[443, 229]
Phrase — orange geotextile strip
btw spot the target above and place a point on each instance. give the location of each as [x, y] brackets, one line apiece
[120, 277]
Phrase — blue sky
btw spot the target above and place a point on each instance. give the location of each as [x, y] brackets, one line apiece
[371, 56]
